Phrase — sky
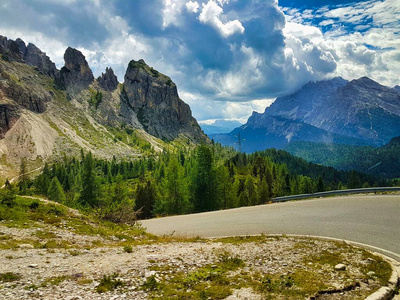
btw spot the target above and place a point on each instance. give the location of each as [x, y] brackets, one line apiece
[227, 57]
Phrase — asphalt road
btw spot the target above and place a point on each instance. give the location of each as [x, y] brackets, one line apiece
[367, 219]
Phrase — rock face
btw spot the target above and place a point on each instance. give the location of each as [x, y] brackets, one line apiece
[108, 80]
[76, 73]
[359, 112]
[154, 98]
[9, 114]
[33, 56]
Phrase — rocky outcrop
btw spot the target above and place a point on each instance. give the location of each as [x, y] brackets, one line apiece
[76, 74]
[397, 88]
[33, 56]
[10, 50]
[154, 98]
[9, 114]
[108, 80]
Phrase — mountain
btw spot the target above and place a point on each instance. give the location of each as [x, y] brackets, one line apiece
[46, 113]
[397, 88]
[220, 126]
[383, 161]
[359, 112]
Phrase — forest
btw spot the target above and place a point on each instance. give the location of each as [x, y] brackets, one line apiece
[209, 177]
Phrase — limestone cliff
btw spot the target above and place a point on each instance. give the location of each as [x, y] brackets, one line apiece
[154, 98]
[76, 74]
[108, 80]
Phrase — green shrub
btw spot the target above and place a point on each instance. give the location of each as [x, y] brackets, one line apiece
[109, 283]
[128, 249]
[9, 277]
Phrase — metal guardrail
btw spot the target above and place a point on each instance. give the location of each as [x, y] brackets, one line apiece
[337, 192]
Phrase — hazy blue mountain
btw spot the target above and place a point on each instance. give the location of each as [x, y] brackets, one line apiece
[220, 126]
[359, 112]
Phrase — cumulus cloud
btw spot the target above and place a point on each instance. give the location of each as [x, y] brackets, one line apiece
[192, 6]
[222, 54]
[211, 14]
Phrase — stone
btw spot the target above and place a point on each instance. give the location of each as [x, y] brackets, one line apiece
[154, 98]
[34, 266]
[108, 80]
[9, 114]
[35, 57]
[76, 74]
[340, 267]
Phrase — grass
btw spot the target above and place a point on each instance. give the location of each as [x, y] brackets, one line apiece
[55, 280]
[212, 281]
[109, 283]
[9, 277]
[31, 213]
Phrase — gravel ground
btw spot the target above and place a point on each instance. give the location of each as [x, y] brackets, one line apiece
[75, 273]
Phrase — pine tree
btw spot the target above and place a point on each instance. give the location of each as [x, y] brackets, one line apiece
[175, 189]
[263, 192]
[89, 193]
[56, 192]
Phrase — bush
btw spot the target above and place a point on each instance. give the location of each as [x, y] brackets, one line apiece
[128, 249]
[109, 283]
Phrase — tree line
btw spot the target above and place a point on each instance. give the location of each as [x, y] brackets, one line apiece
[209, 177]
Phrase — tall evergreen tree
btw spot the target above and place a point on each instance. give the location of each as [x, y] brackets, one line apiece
[56, 192]
[89, 193]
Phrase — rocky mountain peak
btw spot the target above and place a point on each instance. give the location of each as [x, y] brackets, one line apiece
[76, 73]
[397, 88]
[108, 80]
[35, 57]
[155, 100]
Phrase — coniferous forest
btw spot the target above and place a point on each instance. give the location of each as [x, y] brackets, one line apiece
[209, 177]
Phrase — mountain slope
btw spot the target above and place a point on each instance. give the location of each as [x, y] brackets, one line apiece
[383, 161]
[47, 113]
[359, 112]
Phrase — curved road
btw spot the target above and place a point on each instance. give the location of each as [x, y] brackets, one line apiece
[367, 219]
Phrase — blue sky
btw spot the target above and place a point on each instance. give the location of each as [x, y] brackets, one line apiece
[227, 57]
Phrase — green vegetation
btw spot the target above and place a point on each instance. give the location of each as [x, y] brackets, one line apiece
[109, 283]
[209, 177]
[128, 249]
[383, 161]
[95, 98]
[9, 277]
[212, 281]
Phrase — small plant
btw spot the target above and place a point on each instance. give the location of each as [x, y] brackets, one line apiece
[151, 283]
[74, 252]
[34, 205]
[128, 249]
[109, 283]
[9, 277]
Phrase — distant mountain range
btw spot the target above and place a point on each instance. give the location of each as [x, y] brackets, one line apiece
[359, 112]
[220, 126]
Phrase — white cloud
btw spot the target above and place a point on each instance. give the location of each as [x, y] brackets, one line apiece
[192, 6]
[211, 13]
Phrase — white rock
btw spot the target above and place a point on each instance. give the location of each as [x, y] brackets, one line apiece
[340, 267]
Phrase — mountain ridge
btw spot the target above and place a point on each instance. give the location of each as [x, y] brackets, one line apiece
[357, 112]
[74, 111]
